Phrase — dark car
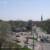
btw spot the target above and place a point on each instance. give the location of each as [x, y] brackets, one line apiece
[44, 39]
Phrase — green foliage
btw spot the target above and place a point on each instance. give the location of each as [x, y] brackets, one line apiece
[25, 48]
[13, 46]
[46, 26]
[16, 24]
[4, 29]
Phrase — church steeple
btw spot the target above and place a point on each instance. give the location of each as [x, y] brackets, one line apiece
[41, 18]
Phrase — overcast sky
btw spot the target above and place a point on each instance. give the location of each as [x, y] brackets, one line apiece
[24, 9]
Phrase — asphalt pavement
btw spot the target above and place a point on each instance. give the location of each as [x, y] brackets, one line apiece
[42, 46]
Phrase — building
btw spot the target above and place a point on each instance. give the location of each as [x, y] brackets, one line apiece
[21, 29]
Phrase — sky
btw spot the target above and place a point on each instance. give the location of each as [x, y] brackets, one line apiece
[24, 9]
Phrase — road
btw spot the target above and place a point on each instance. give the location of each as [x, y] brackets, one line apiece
[42, 46]
[45, 46]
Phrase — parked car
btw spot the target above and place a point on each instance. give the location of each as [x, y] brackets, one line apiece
[43, 39]
[48, 39]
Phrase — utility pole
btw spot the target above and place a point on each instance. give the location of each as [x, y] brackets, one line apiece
[33, 36]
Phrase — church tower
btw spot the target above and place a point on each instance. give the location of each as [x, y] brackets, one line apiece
[41, 18]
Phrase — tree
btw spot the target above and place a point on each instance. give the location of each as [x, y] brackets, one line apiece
[48, 27]
[29, 26]
[4, 29]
